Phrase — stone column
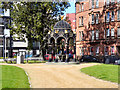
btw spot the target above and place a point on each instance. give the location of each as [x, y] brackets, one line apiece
[67, 51]
[56, 57]
[50, 52]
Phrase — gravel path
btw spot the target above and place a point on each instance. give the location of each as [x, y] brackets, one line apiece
[62, 76]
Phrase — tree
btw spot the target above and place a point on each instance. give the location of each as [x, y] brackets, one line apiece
[33, 20]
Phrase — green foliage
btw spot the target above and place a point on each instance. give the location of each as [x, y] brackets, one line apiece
[105, 72]
[34, 19]
[14, 77]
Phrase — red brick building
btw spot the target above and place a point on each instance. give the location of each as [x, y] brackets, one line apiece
[71, 20]
[98, 27]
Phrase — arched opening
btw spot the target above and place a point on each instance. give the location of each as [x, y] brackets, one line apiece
[60, 44]
[52, 42]
[61, 49]
[71, 43]
[70, 48]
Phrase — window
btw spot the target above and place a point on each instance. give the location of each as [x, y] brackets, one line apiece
[104, 2]
[80, 35]
[1, 11]
[80, 21]
[92, 18]
[112, 50]
[108, 17]
[118, 1]
[81, 51]
[1, 30]
[96, 18]
[97, 51]
[97, 34]
[112, 1]
[1, 21]
[91, 50]
[112, 17]
[118, 32]
[1, 52]
[1, 40]
[108, 2]
[92, 3]
[108, 32]
[92, 35]
[82, 7]
[118, 16]
[97, 3]
[112, 32]
[104, 34]
[106, 50]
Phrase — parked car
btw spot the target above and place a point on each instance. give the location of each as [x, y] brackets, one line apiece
[111, 59]
[88, 58]
[117, 62]
[47, 57]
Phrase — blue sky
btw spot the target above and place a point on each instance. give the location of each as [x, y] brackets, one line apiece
[70, 9]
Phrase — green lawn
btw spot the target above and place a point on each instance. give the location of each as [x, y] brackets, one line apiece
[14, 77]
[103, 71]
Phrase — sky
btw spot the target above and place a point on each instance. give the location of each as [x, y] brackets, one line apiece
[70, 9]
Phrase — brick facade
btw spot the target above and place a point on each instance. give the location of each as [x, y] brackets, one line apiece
[71, 20]
[97, 28]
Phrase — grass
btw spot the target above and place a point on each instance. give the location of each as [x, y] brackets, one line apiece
[103, 71]
[14, 77]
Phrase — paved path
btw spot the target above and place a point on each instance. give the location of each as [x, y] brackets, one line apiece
[62, 76]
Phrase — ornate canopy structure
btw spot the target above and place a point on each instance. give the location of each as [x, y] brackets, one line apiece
[58, 39]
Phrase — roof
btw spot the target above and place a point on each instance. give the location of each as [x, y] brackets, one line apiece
[62, 25]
